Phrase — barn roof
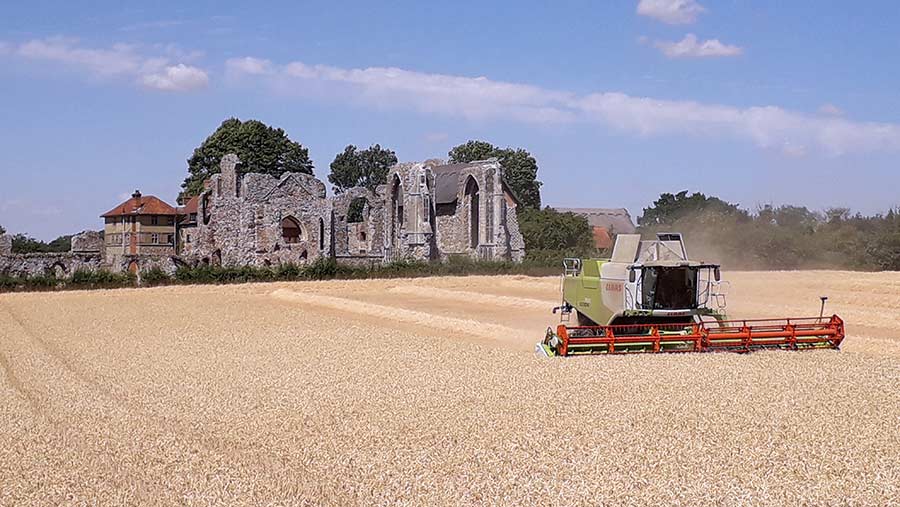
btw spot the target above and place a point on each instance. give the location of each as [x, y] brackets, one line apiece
[616, 220]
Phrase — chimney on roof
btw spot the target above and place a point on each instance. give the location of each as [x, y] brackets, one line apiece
[136, 194]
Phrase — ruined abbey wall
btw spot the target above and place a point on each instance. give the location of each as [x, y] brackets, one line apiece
[434, 211]
[427, 211]
[241, 219]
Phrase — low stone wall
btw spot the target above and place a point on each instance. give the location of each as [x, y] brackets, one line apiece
[59, 265]
[138, 264]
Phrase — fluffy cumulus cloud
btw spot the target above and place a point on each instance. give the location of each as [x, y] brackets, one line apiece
[673, 12]
[691, 47]
[176, 78]
[248, 65]
[790, 132]
[118, 61]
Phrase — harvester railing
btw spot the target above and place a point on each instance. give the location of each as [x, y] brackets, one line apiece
[730, 335]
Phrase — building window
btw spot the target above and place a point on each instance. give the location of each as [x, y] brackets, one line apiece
[358, 210]
[291, 230]
[154, 238]
[154, 220]
[188, 240]
[170, 239]
[170, 221]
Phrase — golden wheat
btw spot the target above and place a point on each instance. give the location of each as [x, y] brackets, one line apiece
[396, 392]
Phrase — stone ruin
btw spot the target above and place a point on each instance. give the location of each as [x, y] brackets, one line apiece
[85, 255]
[5, 244]
[87, 242]
[258, 220]
[427, 211]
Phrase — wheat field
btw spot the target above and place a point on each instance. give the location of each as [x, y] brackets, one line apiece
[426, 392]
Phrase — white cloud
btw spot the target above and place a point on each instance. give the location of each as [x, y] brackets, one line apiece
[118, 61]
[176, 78]
[248, 65]
[390, 88]
[673, 12]
[690, 47]
[382, 87]
[831, 110]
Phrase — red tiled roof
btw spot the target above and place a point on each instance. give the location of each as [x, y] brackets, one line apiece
[190, 207]
[602, 238]
[141, 205]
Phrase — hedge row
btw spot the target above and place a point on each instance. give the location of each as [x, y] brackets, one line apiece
[323, 269]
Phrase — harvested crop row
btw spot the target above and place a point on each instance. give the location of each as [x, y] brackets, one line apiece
[472, 297]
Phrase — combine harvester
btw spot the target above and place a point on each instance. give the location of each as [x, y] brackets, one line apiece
[651, 298]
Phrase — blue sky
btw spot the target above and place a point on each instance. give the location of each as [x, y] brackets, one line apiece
[756, 102]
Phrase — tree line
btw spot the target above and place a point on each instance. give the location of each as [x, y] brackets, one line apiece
[777, 237]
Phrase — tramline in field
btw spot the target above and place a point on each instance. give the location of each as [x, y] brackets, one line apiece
[650, 297]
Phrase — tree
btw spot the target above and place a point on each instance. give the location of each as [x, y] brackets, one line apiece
[261, 148]
[551, 231]
[2, 230]
[366, 168]
[519, 167]
[23, 244]
[669, 208]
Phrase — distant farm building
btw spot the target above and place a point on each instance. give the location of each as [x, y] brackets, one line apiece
[606, 223]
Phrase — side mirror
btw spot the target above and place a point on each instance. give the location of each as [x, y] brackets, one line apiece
[632, 276]
[717, 274]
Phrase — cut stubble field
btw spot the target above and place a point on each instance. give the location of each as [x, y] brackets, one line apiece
[426, 392]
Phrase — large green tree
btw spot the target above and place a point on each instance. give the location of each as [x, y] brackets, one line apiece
[670, 208]
[261, 148]
[361, 168]
[519, 167]
[549, 230]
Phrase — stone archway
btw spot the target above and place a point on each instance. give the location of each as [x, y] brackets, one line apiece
[291, 230]
[59, 270]
[396, 213]
[472, 194]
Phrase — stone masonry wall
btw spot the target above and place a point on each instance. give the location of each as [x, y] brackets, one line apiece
[60, 265]
[87, 242]
[5, 244]
[424, 235]
[348, 242]
[241, 219]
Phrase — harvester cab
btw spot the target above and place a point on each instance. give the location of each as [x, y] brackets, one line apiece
[651, 297]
